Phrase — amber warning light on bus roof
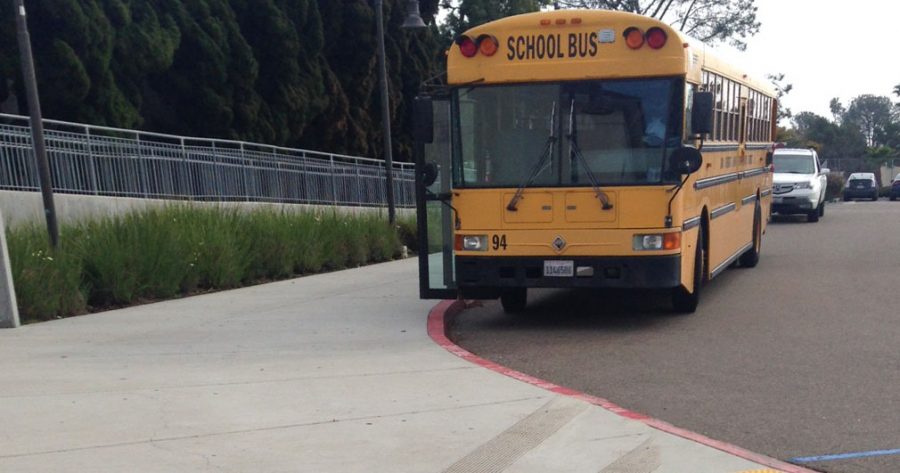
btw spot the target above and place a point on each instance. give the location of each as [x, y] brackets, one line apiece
[486, 44]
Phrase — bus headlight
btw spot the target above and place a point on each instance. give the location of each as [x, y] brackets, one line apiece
[471, 242]
[657, 242]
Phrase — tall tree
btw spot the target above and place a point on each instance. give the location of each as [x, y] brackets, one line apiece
[837, 110]
[285, 72]
[731, 21]
[871, 114]
[781, 89]
[834, 142]
[465, 14]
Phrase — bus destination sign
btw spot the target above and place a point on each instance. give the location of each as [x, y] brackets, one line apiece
[551, 46]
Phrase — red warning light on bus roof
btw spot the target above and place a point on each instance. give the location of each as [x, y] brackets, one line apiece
[656, 38]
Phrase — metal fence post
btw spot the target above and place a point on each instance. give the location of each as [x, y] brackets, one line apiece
[141, 164]
[190, 192]
[244, 176]
[217, 181]
[359, 198]
[92, 166]
[333, 183]
[279, 182]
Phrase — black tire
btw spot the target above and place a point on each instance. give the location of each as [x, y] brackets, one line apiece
[684, 302]
[514, 300]
[846, 199]
[893, 198]
[875, 198]
[822, 209]
[750, 258]
[812, 216]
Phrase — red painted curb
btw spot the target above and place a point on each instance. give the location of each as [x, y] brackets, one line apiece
[439, 320]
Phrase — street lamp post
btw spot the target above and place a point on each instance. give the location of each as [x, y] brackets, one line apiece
[37, 121]
[413, 20]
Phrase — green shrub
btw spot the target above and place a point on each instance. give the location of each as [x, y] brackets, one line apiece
[266, 238]
[164, 253]
[835, 186]
[407, 232]
[48, 283]
[308, 244]
[217, 257]
[358, 249]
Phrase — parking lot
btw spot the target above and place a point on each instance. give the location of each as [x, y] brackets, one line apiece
[796, 359]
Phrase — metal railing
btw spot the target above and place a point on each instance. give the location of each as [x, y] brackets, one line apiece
[95, 160]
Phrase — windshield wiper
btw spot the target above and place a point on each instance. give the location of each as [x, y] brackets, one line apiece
[512, 206]
[576, 151]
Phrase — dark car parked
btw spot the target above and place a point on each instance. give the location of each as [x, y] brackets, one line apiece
[861, 185]
[895, 188]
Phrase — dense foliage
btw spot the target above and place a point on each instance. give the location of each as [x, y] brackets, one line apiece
[859, 137]
[286, 72]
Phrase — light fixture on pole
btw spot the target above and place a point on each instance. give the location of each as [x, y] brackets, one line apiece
[413, 20]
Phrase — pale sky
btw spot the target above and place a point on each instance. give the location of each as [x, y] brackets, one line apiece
[827, 49]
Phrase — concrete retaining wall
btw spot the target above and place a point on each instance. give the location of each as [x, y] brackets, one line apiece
[20, 208]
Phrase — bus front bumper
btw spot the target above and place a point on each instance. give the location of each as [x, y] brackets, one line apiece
[474, 274]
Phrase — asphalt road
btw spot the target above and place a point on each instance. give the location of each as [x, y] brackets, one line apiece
[798, 357]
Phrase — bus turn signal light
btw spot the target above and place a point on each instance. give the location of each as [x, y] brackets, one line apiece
[634, 37]
[656, 38]
[671, 241]
[657, 242]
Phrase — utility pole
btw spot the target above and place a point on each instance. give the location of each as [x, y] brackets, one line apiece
[37, 121]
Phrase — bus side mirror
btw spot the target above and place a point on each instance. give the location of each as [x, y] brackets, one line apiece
[702, 113]
[428, 174]
[423, 118]
[685, 160]
[770, 158]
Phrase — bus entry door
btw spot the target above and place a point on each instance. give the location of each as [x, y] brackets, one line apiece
[434, 212]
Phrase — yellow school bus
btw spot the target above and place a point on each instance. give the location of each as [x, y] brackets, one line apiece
[589, 149]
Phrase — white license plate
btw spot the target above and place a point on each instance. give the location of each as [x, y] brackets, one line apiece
[559, 269]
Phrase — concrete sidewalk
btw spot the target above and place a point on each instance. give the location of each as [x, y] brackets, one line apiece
[329, 373]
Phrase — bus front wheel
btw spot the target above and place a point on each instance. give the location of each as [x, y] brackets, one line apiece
[514, 300]
[751, 257]
[684, 302]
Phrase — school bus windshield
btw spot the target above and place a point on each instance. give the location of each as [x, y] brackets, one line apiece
[623, 128]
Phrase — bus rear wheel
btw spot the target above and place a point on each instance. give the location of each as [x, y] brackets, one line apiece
[684, 302]
[514, 300]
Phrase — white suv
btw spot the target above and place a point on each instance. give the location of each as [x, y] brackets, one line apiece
[799, 183]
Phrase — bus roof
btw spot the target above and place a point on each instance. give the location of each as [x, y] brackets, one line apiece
[579, 45]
